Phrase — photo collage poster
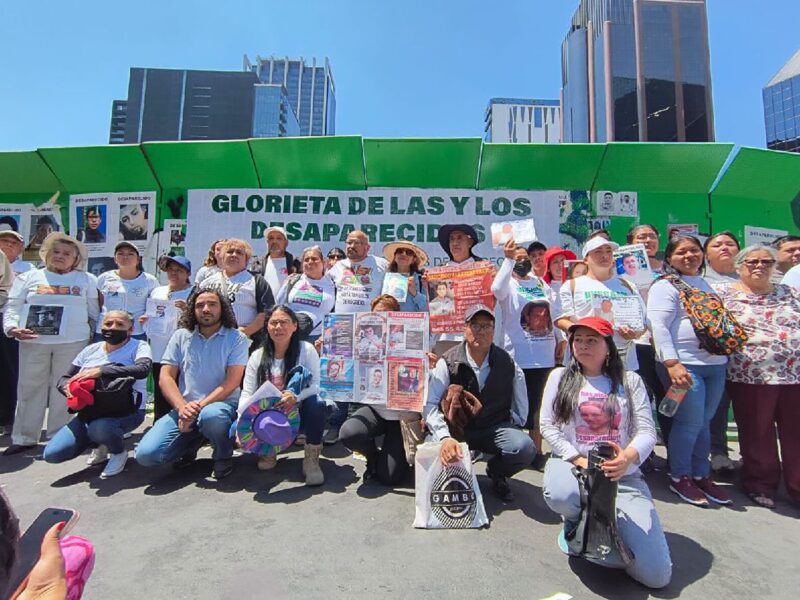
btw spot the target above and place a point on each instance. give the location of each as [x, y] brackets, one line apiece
[33, 223]
[452, 290]
[102, 220]
[375, 358]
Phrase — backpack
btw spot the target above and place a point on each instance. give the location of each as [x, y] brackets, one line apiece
[716, 329]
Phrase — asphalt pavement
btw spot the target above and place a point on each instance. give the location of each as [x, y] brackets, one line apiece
[165, 534]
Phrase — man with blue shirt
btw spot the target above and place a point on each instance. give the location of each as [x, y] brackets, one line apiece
[202, 369]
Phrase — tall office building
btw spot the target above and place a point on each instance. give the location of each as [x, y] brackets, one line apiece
[119, 118]
[782, 107]
[637, 70]
[521, 120]
[312, 93]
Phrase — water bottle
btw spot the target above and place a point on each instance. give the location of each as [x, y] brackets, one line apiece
[672, 400]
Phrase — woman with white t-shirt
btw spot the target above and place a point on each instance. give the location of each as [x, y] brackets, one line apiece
[582, 297]
[125, 288]
[117, 356]
[283, 351]
[690, 366]
[249, 295]
[48, 311]
[593, 400]
[176, 293]
[310, 292]
[213, 262]
[528, 305]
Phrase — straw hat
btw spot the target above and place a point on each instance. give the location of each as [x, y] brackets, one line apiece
[390, 249]
[58, 236]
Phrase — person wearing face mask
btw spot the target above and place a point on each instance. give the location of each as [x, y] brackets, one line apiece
[535, 346]
[721, 249]
[117, 356]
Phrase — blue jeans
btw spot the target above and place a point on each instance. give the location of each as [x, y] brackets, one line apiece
[637, 520]
[164, 443]
[689, 438]
[313, 411]
[76, 436]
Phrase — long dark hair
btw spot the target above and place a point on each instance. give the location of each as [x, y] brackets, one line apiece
[672, 245]
[188, 319]
[268, 347]
[573, 379]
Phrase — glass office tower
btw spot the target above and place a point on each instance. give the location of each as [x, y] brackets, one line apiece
[637, 70]
[311, 91]
[782, 107]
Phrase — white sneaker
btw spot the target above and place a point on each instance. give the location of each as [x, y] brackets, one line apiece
[116, 464]
[98, 455]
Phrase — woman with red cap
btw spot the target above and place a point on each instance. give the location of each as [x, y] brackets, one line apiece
[554, 260]
[595, 400]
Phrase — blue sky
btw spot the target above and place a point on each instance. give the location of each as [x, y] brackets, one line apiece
[414, 68]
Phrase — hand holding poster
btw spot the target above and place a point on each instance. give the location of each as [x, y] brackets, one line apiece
[520, 231]
[619, 310]
[633, 266]
[453, 289]
[44, 319]
[396, 285]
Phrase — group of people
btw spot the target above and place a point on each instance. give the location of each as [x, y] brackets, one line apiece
[542, 364]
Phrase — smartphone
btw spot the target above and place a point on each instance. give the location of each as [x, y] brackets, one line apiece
[30, 543]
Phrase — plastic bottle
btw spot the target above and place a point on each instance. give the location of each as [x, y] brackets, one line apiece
[672, 400]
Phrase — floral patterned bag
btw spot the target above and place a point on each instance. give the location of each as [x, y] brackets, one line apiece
[717, 330]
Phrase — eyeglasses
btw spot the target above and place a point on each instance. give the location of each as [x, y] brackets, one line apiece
[481, 327]
[645, 236]
[766, 262]
[280, 323]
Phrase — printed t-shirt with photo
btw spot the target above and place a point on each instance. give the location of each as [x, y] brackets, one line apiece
[357, 285]
[125, 294]
[579, 304]
[314, 297]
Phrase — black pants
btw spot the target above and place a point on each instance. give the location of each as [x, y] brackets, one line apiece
[513, 450]
[646, 355]
[535, 380]
[160, 405]
[359, 432]
[9, 374]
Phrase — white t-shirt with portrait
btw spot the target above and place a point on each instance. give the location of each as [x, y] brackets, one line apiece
[357, 285]
[125, 294]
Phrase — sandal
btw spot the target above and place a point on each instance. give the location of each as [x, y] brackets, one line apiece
[761, 499]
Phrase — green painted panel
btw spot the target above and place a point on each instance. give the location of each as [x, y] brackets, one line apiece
[540, 166]
[761, 175]
[26, 173]
[334, 163]
[201, 165]
[112, 168]
[669, 168]
[423, 163]
[732, 213]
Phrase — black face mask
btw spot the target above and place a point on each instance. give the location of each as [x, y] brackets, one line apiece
[522, 267]
[113, 336]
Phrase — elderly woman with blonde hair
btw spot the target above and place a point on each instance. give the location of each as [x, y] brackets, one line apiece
[48, 311]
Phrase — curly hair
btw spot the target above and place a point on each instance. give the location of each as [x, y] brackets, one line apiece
[188, 319]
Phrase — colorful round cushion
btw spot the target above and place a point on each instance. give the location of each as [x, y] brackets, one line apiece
[265, 430]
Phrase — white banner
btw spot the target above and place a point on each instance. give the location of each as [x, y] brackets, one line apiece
[325, 217]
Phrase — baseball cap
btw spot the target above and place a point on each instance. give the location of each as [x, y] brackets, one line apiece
[181, 261]
[597, 324]
[595, 243]
[126, 245]
[6, 230]
[280, 230]
[473, 311]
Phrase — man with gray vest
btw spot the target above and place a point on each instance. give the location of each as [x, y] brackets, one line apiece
[490, 374]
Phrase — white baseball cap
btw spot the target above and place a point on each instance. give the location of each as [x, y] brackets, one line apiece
[597, 242]
[280, 230]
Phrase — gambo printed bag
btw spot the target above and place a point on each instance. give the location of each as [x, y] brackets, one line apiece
[717, 330]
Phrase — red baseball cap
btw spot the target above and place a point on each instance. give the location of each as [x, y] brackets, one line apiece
[597, 324]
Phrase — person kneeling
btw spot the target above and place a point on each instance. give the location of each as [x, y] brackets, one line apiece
[106, 385]
[282, 354]
[591, 403]
[490, 375]
[201, 371]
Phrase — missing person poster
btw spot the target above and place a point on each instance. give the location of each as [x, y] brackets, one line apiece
[33, 223]
[633, 266]
[521, 231]
[162, 317]
[452, 290]
[619, 310]
[44, 319]
[396, 285]
[102, 220]
[374, 358]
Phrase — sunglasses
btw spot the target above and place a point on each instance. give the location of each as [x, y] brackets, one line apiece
[405, 251]
[766, 262]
